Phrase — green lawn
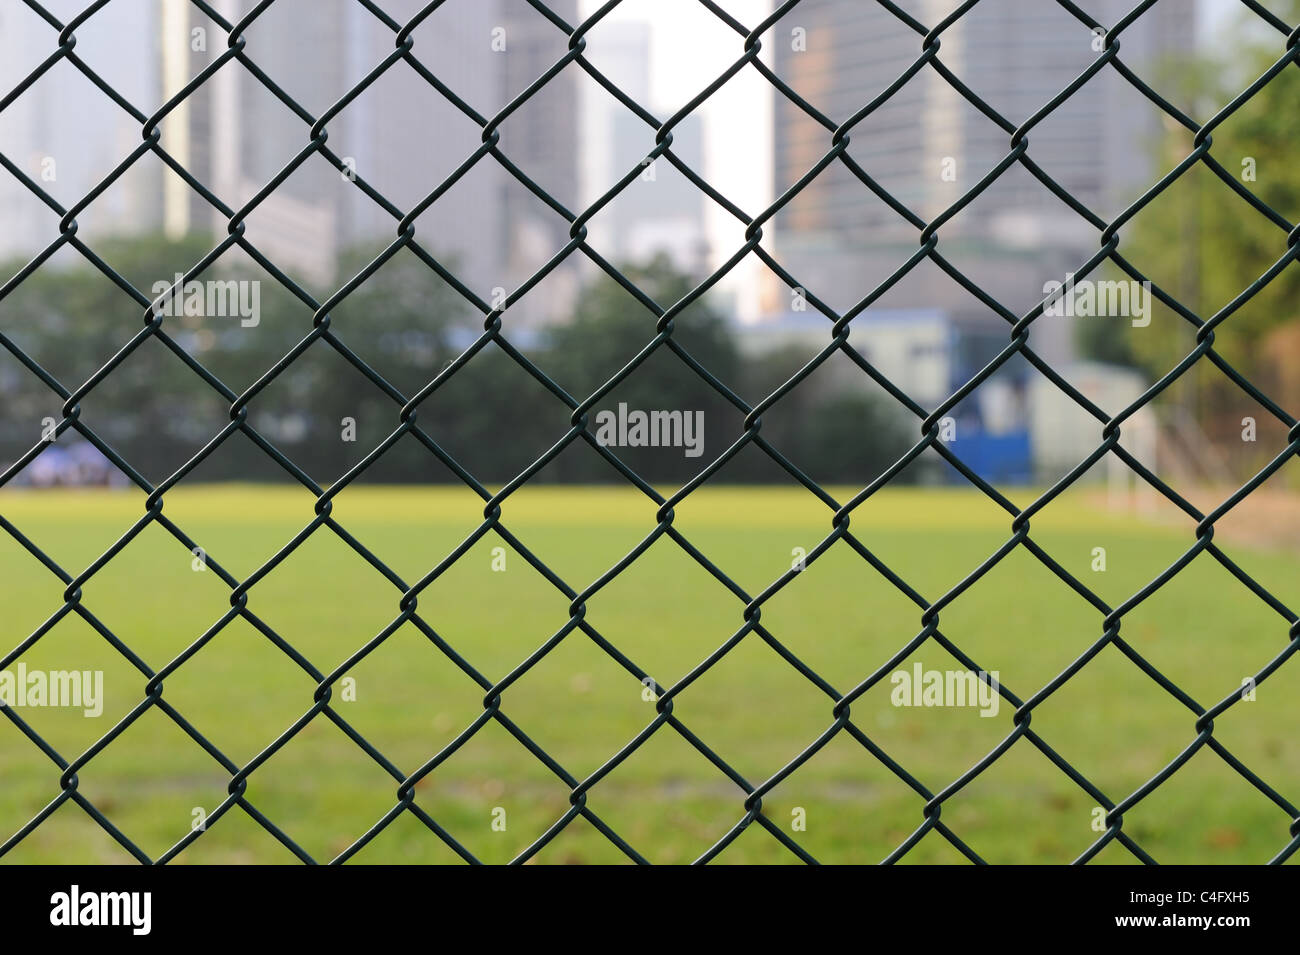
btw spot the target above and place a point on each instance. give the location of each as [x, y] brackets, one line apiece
[1118, 727]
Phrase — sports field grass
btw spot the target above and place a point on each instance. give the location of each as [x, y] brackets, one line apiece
[1204, 630]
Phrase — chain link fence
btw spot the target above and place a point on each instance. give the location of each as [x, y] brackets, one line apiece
[496, 331]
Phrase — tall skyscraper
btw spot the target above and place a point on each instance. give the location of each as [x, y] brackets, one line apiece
[400, 134]
[662, 212]
[928, 145]
[541, 137]
[66, 135]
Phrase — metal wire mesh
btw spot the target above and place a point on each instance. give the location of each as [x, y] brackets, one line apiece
[496, 331]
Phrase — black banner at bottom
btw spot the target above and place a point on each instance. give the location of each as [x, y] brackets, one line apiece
[181, 903]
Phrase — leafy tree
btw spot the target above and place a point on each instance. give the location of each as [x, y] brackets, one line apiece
[1200, 240]
[608, 329]
[406, 325]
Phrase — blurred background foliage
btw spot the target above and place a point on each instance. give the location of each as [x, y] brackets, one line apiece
[406, 325]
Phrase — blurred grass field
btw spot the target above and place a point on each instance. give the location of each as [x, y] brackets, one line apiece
[1204, 630]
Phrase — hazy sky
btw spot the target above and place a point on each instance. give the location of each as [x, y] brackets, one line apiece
[689, 49]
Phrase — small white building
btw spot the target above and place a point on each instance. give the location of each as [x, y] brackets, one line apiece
[1016, 427]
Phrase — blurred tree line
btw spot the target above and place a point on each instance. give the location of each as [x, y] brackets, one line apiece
[406, 325]
[1204, 243]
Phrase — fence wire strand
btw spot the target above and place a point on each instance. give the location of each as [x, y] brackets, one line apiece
[495, 332]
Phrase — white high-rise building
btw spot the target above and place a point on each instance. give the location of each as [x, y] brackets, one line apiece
[66, 135]
[401, 134]
[661, 212]
[927, 145]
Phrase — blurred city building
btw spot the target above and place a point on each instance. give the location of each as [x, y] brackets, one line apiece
[65, 135]
[661, 211]
[401, 135]
[1016, 427]
[927, 145]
